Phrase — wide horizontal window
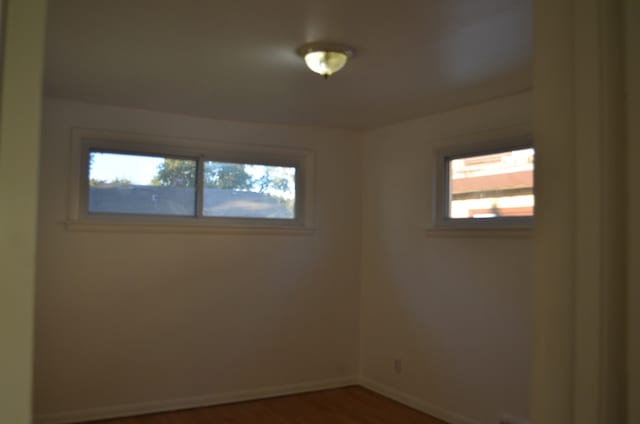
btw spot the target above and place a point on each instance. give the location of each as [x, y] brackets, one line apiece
[133, 182]
[140, 184]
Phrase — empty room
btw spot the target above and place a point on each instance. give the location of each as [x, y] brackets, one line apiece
[339, 211]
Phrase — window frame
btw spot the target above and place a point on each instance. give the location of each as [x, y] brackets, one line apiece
[85, 141]
[441, 202]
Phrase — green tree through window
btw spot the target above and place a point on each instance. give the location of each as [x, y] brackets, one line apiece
[175, 173]
[228, 176]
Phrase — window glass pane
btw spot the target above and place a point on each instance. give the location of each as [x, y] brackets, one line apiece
[137, 184]
[492, 185]
[249, 191]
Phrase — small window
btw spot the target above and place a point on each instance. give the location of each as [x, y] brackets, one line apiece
[136, 179]
[491, 186]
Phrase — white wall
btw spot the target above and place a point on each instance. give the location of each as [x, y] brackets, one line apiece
[632, 40]
[456, 311]
[579, 250]
[134, 321]
[21, 57]
[124, 319]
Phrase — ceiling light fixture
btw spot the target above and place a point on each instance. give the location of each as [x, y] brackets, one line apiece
[325, 58]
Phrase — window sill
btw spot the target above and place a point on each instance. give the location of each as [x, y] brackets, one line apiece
[184, 228]
[458, 232]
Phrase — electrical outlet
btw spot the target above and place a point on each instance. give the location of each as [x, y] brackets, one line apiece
[397, 366]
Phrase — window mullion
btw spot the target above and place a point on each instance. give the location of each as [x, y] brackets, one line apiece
[200, 188]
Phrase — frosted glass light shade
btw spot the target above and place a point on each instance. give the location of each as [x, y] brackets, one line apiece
[325, 58]
[326, 63]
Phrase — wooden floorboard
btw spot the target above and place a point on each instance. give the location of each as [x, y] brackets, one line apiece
[349, 405]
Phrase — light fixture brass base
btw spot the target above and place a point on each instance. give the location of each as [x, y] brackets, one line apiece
[325, 46]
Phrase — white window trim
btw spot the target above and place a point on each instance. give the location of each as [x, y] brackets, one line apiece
[84, 140]
[442, 226]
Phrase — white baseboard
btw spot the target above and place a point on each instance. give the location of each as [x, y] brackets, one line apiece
[413, 402]
[116, 411]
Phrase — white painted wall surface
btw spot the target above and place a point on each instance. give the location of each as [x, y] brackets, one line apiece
[130, 318]
[456, 311]
[632, 40]
[21, 51]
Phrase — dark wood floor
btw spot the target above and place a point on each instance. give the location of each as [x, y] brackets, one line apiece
[349, 405]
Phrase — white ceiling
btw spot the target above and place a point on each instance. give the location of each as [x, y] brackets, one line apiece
[235, 59]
